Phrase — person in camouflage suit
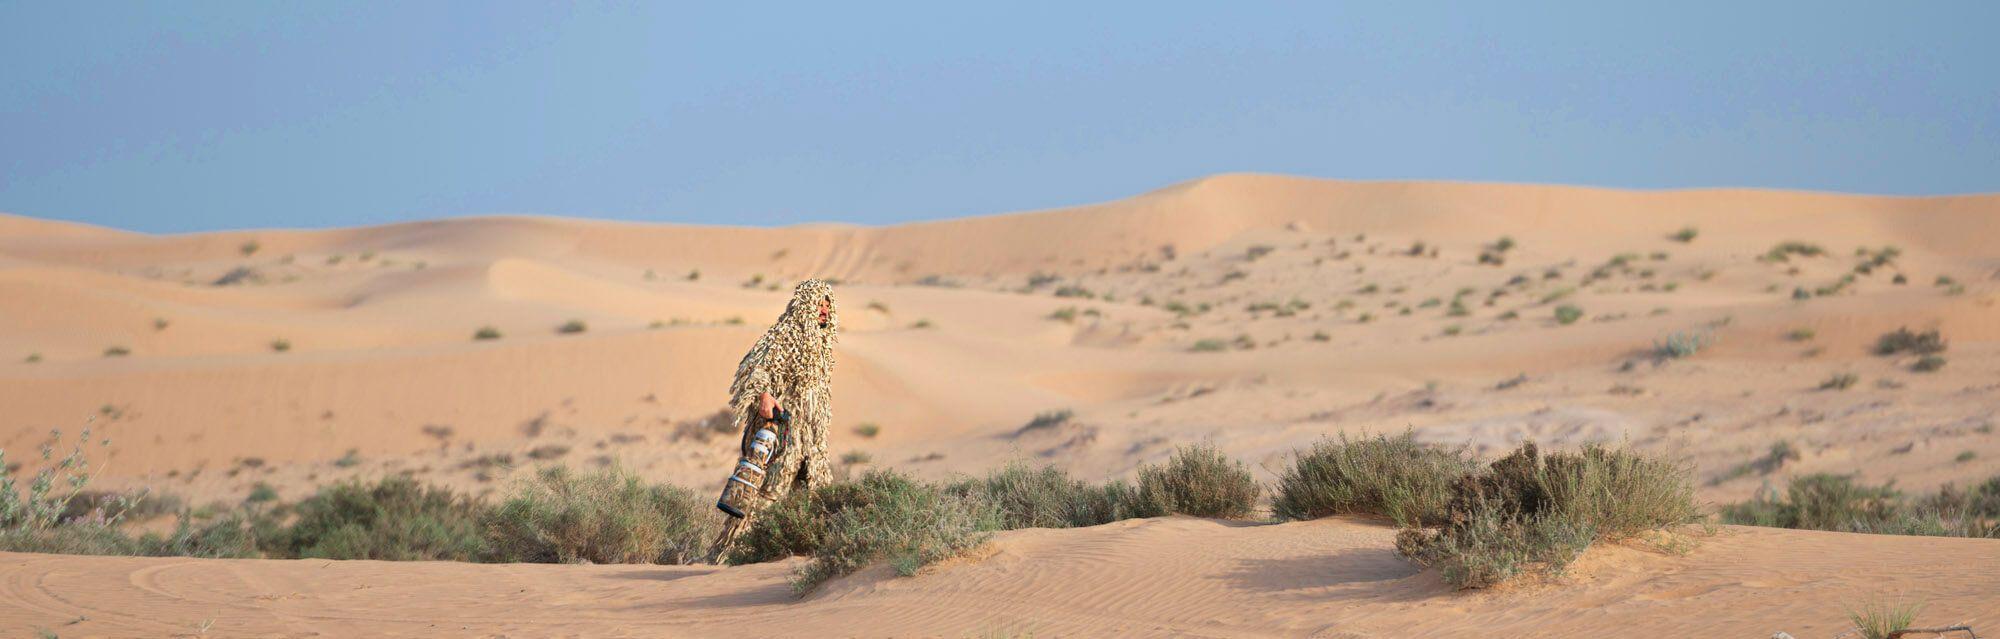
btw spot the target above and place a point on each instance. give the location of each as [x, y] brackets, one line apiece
[789, 368]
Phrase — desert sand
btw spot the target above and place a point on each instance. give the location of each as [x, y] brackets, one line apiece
[959, 332]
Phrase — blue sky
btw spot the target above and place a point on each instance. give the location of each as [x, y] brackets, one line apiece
[172, 117]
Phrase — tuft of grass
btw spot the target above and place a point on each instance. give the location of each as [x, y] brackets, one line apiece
[117, 351]
[395, 518]
[1568, 314]
[1878, 620]
[922, 324]
[856, 457]
[1209, 345]
[609, 516]
[572, 327]
[868, 429]
[1202, 482]
[1685, 235]
[1393, 477]
[486, 333]
[281, 345]
[1965, 456]
[1801, 334]
[32, 358]
[1066, 314]
[1534, 513]
[1839, 381]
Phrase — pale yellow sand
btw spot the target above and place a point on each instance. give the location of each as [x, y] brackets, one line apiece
[382, 362]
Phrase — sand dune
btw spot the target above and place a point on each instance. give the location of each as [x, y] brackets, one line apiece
[1257, 312]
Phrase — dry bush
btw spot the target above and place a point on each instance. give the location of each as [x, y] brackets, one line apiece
[608, 516]
[1199, 481]
[1393, 477]
[1529, 512]
[910, 525]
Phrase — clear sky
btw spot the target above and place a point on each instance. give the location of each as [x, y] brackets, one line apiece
[182, 116]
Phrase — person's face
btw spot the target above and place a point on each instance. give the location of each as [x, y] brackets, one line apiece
[825, 313]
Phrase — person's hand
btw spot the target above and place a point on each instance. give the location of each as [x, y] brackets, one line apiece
[767, 406]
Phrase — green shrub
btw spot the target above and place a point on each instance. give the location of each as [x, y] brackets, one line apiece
[1048, 497]
[1928, 364]
[1210, 345]
[797, 524]
[486, 333]
[281, 345]
[1685, 235]
[572, 327]
[1533, 513]
[868, 430]
[395, 518]
[1839, 381]
[1393, 477]
[1568, 314]
[1802, 334]
[1199, 481]
[1680, 345]
[1841, 503]
[607, 517]
[910, 527]
[1902, 340]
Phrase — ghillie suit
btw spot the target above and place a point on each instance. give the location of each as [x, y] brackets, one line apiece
[793, 362]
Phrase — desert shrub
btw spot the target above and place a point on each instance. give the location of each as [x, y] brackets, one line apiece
[797, 524]
[1928, 364]
[868, 429]
[608, 516]
[1210, 345]
[1529, 512]
[910, 527]
[853, 457]
[1841, 503]
[1784, 250]
[1903, 340]
[1488, 544]
[1802, 334]
[1199, 481]
[1047, 497]
[395, 518]
[1839, 381]
[572, 327]
[281, 345]
[56, 513]
[1685, 235]
[1065, 314]
[1393, 477]
[1568, 314]
[1680, 345]
[486, 333]
[1048, 419]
